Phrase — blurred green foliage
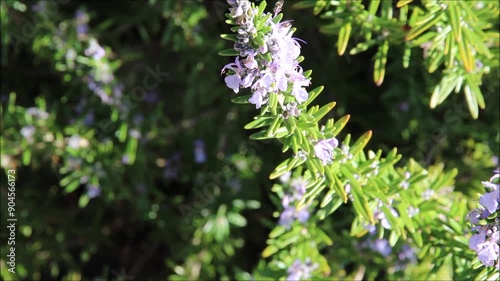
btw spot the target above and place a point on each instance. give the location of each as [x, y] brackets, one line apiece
[105, 144]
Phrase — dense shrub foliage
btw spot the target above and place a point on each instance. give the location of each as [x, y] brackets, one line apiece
[328, 147]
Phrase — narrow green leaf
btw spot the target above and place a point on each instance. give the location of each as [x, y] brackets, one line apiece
[230, 37]
[229, 53]
[277, 18]
[262, 7]
[336, 185]
[269, 251]
[406, 56]
[27, 157]
[313, 94]
[466, 55]
[260, 122]
[343, 39]
[83, 201]
[242, 99]
[476, 91]
[477, 42]
[363, 46]
[455, 19]
[328, 198]
[361, 143]
[274, 126]
[471, 101]
[374, 4]
[277, 231]
[340, 124]
[323, 111]
[380, 62]
[72, 186]
[424, 25]
[443, 90]
[402, 3]
[122, 132]
[331, 207]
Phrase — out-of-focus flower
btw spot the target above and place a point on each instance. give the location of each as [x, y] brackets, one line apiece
[27, 132]
[285, 177]
[77, 142]
[136, 134]
[151, 97]
[89, 119]
[380, 215]
[290, 212]
[37, 113]
[406, 256]
[301, 270]
[199, 151]
[299, 187]
[412, 211]
[324, 150]
[427, 194]
[381, 246]
[93, 191]
[95, 50]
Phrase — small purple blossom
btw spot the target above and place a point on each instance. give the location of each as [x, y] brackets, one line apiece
[199, 151]
[381, 246]
[301, 271]
[93, 191]
[380, 215]
[324, 150]
[95, 50]
[27, 132]
[299, 187]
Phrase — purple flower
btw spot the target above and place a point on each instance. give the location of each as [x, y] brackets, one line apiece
[488, 253]
[287, 217]
[477, 239]
[380, 215]
[299, 271]
[285, 177]
[125, 159]
[299, 186]
[490, 200]
[324, 150]
[258, 98]
[300, 94]
[291, 213]
[381, 246]
[302, 215]
[89, 119]
[199, 152]
[27, 132]
[474, 216]
[151, 97]
[93, 191]
[134, 133]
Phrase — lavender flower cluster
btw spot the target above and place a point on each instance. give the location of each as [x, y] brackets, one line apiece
[485, 224]
[290, 212]
[268, 63]
[268, 59]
